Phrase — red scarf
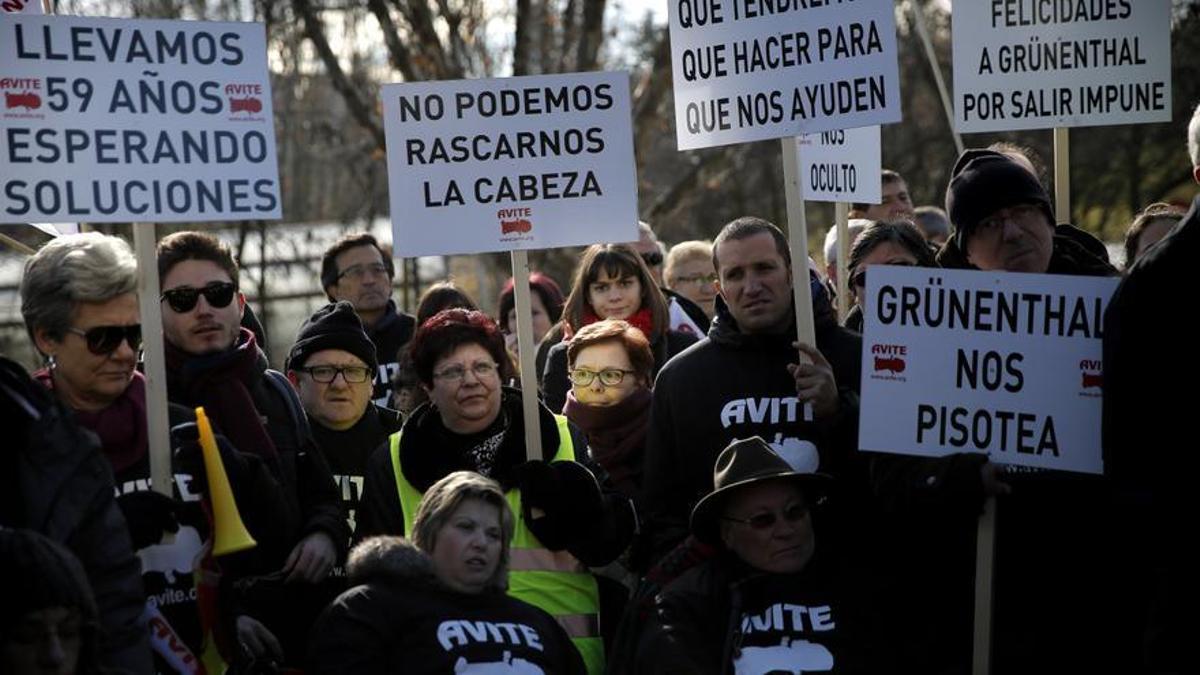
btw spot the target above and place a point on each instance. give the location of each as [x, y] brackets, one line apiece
[616, 436]
[642, 320]
[121, 426]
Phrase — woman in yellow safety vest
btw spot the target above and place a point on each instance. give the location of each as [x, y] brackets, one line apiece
[565, 521]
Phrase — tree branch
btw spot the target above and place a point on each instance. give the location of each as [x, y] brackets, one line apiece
[398, 54]
[592, 35]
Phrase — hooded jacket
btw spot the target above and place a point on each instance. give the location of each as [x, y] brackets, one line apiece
[399, 618]
[734, 385]
[56, 482]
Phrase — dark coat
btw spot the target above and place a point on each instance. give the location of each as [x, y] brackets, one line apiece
[398, 618]
[1062, 601]
[1149, 408]
[57, 483]
[391, 332]
[556, 384]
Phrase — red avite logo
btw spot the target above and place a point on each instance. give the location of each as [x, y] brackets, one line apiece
[23, 97]
[887, 357]
[244, 97]
[1090, 371]
[515, 221]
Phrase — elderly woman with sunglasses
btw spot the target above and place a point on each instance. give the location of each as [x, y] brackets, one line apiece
[883, 243]
[472, 423]
[768, 600]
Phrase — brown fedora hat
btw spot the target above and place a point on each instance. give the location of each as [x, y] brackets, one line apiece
[745, 462]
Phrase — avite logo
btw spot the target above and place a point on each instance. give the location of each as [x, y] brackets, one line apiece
[1090, 373]
[515, 221]
[24, 96]
[244, 97]
[248, 104]
[888, 358]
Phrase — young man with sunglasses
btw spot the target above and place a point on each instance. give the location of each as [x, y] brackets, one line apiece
[331, 365]
[357, 269]
[215, 363]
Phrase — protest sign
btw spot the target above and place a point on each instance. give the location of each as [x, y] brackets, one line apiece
[1000, 363]
[748, 70]
[116, 120]
[1037, 64]
[841, 166]
[510, 164]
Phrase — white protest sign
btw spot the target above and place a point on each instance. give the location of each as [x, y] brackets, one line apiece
[1006, 364]
[1037, 64]
[21, 6]
[117, 120]
[749, 70]
[511, 163]
[842, 166]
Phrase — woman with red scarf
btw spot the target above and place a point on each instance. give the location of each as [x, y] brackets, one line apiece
[612, 282]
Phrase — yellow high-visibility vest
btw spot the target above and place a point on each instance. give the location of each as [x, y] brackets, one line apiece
[554, 581]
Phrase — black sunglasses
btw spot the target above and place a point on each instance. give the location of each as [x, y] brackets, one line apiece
[652, 258]
[106, 339]
[183, 299]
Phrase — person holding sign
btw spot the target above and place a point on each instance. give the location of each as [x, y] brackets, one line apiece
[884, 243]
[769, 600]
[212, 361]
[438, 604]
[612, 282]
[473, 423]
[746, 378]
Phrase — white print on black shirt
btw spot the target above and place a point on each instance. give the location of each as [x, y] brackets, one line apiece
[800, 454]
[791, 655]
[506, 666]
[458, 633]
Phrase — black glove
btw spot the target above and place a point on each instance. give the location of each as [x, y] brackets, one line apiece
[148, 514]
[560, 501]
[189, 456]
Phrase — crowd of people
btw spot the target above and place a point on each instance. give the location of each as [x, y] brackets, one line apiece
[701, 504]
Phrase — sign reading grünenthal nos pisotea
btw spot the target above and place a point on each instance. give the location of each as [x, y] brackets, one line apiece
[1037, 64]
[1004, 364]
[510, 163]
[118, 120]
[751, 70]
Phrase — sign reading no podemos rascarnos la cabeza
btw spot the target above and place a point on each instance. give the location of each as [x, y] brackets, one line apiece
[841, 166]
[751, 70]
[1006, 364]
[1036, 64]
[511, 163]
[117, 120]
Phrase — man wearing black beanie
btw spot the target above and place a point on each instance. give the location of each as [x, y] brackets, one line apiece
[332, 364]
[1003, 222]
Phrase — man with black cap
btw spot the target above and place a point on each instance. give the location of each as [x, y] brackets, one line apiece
[767, 601]
[331, 365]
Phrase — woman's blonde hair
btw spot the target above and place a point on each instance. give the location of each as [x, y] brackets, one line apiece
[444, 498]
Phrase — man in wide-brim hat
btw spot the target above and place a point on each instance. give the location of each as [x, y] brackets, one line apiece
[766, 602]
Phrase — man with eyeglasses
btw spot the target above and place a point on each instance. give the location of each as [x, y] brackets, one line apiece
[215, 363]
[356, 269]
[331, 365]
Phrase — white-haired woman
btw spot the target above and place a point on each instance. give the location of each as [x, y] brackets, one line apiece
[438, 604]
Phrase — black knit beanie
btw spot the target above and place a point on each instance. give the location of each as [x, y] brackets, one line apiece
[985, 181]
[334, 326]
[37, 573]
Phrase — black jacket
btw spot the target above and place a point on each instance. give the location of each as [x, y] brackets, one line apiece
[1149, 408]
[732, 385]
[347, 452]
[1063, 600]
[391, 332]
[55, 481]
[724, 617]
[427, 459]
[556, 384]
[398, 618]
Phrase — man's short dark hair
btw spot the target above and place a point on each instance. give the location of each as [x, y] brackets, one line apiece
[886, 177]
[329, 270]
[746, 227]
[180, 246]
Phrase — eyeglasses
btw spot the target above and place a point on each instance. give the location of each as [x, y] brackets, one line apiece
[360, 271]
[609, 377]
[218, 294]
[327, 374]
[697, 279]
[859, 278]
[652, 258]
[793, 513]
[458, 373]
[107, 339]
